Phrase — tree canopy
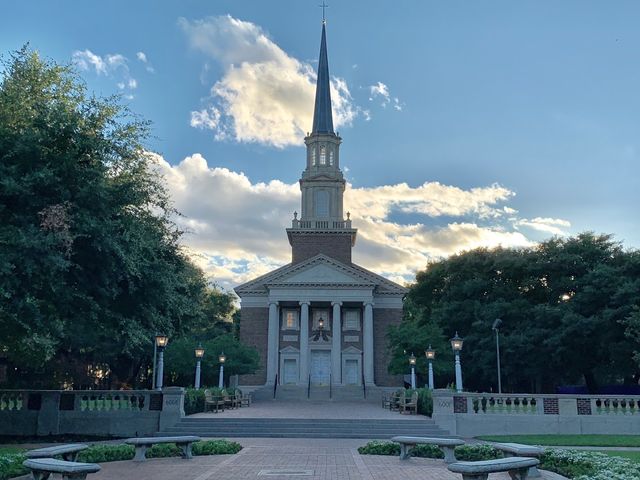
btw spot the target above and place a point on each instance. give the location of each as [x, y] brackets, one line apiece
[565, 305]
[91, 266]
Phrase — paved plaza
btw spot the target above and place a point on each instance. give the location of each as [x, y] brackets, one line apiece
[288, 459]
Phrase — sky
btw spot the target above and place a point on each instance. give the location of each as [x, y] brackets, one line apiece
[464, 124]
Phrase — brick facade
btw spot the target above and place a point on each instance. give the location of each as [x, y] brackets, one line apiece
[254, 324]
[306, 245]
[382, 319]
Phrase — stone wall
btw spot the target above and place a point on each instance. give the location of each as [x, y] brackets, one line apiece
[306, 245]
[382, 319]
[254, 323]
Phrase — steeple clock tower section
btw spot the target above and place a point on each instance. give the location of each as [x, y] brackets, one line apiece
[322, 227]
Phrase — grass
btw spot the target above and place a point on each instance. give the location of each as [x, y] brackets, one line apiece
[7, 449]
[569, 440]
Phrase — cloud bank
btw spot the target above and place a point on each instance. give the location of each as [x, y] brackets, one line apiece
[236, 227]
[265, 95]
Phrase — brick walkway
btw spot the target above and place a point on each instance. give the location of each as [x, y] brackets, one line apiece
[304, 459]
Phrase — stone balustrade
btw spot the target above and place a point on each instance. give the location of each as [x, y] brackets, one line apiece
[89, 412]
[321, 224]
[471, 414]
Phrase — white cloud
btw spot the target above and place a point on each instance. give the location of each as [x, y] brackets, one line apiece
[207, 118]
[110, 65]
[236, 227]
[381, 91]
[554, 226]
[141, 56]
[265, 95]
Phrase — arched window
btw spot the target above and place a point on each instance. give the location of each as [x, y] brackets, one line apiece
[312, 152]
[322, 203]
[323, 155]
[331, 157]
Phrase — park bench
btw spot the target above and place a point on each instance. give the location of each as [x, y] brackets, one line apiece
[43, 468]
[447, 445]
[69, 451]
[213, 402]
[410, 404]
[520, 450]
[244, 399]
[517, 467]
[141, 444]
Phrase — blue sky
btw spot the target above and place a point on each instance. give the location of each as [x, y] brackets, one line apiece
[525, 113]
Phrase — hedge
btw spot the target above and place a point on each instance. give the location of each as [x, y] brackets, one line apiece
[464, 452]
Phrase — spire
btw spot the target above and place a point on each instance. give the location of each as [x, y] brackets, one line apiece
[322, 116]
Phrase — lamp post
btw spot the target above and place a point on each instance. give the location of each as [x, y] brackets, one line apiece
[199, 354]
[430, 353]
[412, 362]
[161, 343]
[496, 327]
[222, 358]
[456, 345]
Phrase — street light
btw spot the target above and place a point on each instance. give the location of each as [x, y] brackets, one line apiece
[496, 327]
[161, 343]
[456, 345]
[430, 353]
[221, 358]
[199, 354]
[412, 362]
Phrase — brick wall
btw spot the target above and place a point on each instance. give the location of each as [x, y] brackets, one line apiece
[254, 323]
[334, 245]
[550, 406]
[382, 319]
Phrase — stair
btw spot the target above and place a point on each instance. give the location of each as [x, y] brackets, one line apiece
[303, 428]
[298, 393]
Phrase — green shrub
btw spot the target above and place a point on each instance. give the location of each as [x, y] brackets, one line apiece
[193, 401]
[216, 447]
[11, 465]
[106, 453]
[464, 452]
[425, 402]
[477, 452]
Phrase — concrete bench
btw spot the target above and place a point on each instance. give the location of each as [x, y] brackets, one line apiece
[517, 467]
[520, 450]
[447, 445]
[42, 468]
[141, 444]
[69, 452]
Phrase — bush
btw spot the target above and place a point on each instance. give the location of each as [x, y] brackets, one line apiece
[216, 447]
[106, 453]
[11, 465]
[193, 401]
[584, 465]
[425, 402]
[474, 453]
[464, 452]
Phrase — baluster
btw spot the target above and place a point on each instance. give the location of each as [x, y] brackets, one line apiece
[516, 405]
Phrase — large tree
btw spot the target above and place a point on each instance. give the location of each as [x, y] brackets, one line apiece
[90, 261]
[564, 304]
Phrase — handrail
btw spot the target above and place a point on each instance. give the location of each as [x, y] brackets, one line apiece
[330, 386]
[309, 387]
[364, 386]
[275, 386]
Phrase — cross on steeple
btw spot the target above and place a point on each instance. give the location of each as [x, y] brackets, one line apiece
[323, 6]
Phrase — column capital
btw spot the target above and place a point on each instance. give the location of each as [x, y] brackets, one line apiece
[368, 302]
[273, 302]
[333, 304]
[304, 302]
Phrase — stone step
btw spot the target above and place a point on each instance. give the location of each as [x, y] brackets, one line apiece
[367, 436]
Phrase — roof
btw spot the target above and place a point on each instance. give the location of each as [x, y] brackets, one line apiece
[321, 270]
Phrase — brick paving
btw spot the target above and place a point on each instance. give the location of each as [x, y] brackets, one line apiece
[310, 459]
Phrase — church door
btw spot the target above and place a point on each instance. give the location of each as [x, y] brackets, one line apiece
[351, 371]
[320, 367]
[290, 373]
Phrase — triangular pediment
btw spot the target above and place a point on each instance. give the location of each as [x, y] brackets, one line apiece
[321, 270]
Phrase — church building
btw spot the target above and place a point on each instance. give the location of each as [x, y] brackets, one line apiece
[321, 318]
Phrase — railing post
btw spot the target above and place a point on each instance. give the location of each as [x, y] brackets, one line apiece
[49, 414]
[172, 407]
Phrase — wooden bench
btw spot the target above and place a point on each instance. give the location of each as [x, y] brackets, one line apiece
[214, 402]
[520, 450]
[141, 444]
[42, 468]
[447, 445]
[69, 452]
[517, 467]
[410, 404]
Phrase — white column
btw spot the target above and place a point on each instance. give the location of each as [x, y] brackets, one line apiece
[336, 345]
[304, 342]
[272, 343]
[458, 373]
[430, 376]
[368, 343]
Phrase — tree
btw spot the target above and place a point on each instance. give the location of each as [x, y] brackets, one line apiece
[564, 305]
[90, 261]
